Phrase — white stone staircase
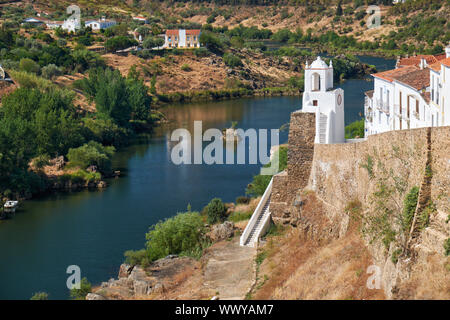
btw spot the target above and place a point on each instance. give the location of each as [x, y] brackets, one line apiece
[259, 222]
[322, 128]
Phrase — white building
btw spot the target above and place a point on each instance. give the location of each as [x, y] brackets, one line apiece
[71, 25]
[182, 38]
[325, 101]
[140, 18]
[414, 95]
[103, 23]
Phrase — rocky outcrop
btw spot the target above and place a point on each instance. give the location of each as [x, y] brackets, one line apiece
[221, 232]
[136, 281]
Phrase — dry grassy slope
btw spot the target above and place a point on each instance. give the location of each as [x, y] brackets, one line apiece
[305, 263]
[206, 73]
[270, 17]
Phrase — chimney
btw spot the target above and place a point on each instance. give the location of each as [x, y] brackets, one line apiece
[447, 51]
[423, 63]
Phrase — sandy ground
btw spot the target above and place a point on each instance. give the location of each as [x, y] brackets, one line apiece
[230, 270]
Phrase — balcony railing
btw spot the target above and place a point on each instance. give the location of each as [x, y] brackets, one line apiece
[382, 106]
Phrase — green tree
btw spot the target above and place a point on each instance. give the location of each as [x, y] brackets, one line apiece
[81, 293]
[50, 71]
[232, 60]
[211, 41]
[40, 296]
[152, 42]
[355, 129]
[215, 211]
[119, 43]
[92, 153]
[29, 65]
[182, 234]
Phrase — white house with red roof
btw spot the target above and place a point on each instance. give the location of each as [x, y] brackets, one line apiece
[182, 38]
[414, 95]
[320, 97]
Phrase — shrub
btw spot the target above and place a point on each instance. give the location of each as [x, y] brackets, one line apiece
[201, 52]
[118, 43]
[231, 60]
[80, 294]
[242, 200]
[152, 42]
[182, 235]
[28, 65]
[239, 216]
[39, 296]
[260, 182]
[395, 256]
[296, 82]
[138, 257]
[216, 211]
[186, 67]
[447, 247]
[409, 207]
[91, 153]
[355, 129]
[105, 131]
[50, 71]
[211, 41]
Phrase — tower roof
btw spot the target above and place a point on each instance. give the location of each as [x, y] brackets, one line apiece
[319, 64]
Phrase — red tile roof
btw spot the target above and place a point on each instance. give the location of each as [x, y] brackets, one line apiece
[390, 75]
[436, 66]
[417, 79]
[193, 32]
[441, 56]
[445, 62]
[415, 61]
[171, 32]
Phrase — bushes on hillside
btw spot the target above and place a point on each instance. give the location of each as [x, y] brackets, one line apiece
[81, 293]
[231, 60]
[215, 211]
[92, 153]
[119, 43]
[117, 98]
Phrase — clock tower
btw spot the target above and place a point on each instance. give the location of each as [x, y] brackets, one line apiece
[321, 98]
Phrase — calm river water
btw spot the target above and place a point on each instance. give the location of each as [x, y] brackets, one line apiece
[92, 229]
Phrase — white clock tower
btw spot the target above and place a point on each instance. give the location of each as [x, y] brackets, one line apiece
[326, 102]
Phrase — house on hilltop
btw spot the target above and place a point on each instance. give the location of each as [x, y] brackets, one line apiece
[182, 38]
[100, 24]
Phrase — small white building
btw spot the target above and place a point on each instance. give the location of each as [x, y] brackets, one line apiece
[140, 18]
[325, 101]
[103, 23]
[414, 95]
[71, 25]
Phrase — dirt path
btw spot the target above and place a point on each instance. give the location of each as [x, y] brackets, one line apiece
[230, 270]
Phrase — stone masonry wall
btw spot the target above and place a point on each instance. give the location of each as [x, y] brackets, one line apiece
[341, 174]
[287, 184]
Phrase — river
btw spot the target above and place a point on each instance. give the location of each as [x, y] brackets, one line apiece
[92, 229]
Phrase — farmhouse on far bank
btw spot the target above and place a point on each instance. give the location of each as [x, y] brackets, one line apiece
[102, 23]
[182, 38]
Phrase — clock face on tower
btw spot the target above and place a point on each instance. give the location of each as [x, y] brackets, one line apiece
[339, 99]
